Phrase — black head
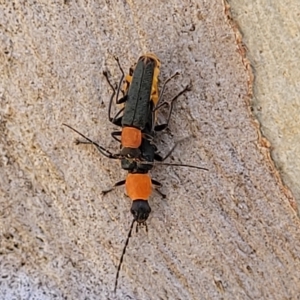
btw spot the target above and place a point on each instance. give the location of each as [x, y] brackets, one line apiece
[128, 164]
[130, 152]
[140, 210]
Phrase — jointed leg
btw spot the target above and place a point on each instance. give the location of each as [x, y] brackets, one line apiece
[164, 86]
[157, 183]
[170, 104]
[119, 183]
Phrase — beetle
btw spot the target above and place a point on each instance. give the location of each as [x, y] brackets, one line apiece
[139, 160]
[141, 101]
[138, 120]
[140, 96]
[138, 183]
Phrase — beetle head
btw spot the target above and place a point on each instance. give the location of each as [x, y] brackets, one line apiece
[140, 210]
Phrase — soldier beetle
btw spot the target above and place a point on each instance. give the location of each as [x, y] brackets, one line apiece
[138, 120]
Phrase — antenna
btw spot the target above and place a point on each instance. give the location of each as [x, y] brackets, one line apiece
[101, 149]
[122, 256]
[170, 164]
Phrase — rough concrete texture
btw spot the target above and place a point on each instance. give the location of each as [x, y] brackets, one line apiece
[271, 35]
[230, 233]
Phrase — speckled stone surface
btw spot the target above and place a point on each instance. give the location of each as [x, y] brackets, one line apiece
[271, 35]
[230, 233]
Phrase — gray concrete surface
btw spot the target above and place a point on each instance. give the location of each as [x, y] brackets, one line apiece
[271, 35]
[230, 233]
